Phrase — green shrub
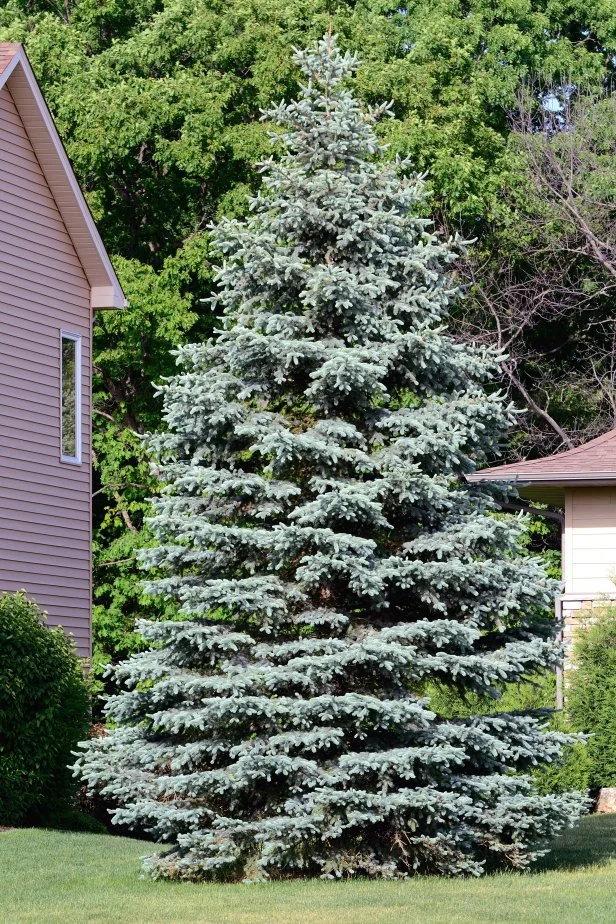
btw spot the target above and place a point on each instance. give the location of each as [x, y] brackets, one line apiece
[572, 772]
[515, 697]
[591, 696]
[44, 712]
[71, 818]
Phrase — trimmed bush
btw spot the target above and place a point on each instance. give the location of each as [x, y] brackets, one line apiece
[591, 696]
[44, 712]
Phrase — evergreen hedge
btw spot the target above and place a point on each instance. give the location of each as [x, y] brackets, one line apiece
[591, 696]
[44, 712]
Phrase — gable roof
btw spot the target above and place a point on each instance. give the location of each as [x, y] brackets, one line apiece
[17, 75]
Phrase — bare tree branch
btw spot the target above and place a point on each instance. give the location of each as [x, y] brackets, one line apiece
[542, 412]
[541, 287]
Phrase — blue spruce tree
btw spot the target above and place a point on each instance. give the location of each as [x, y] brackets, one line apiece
[330, 562]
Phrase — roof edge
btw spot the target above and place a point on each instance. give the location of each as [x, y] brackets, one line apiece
[558, 479]
[8, 69]
[109, 295]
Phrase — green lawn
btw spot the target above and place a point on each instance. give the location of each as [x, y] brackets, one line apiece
[52, 876]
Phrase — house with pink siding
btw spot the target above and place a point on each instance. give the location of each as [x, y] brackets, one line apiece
[54, 273]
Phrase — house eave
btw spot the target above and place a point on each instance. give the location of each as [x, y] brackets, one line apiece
[545, 488]
[553, 479]
[107, 297]
[19, 78]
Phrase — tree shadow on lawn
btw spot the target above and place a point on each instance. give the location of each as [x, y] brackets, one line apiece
[593, 843]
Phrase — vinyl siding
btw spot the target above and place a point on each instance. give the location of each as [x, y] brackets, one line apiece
[590, 541]
[44, 503]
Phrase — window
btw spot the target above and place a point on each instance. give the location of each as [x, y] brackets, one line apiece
[70, 398]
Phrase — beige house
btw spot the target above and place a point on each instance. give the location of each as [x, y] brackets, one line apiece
[582, 481]
[54, 273]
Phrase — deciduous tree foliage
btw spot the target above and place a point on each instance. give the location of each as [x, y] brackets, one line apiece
[328, 559]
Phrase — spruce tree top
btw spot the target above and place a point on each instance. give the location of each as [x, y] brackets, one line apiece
[329, 560]
[334, 394]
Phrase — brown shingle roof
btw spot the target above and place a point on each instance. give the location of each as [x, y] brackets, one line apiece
[593, 461]
[7, 51]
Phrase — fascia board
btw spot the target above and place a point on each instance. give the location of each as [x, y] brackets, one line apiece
[558, 479]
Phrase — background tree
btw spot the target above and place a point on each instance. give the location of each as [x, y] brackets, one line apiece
[327, 556]
[543, 279]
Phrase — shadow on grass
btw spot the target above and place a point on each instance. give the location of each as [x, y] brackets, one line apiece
[593, 843]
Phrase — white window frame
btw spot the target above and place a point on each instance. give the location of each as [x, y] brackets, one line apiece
[76, 338]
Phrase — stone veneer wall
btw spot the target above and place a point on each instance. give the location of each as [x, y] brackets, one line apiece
[574, 612]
